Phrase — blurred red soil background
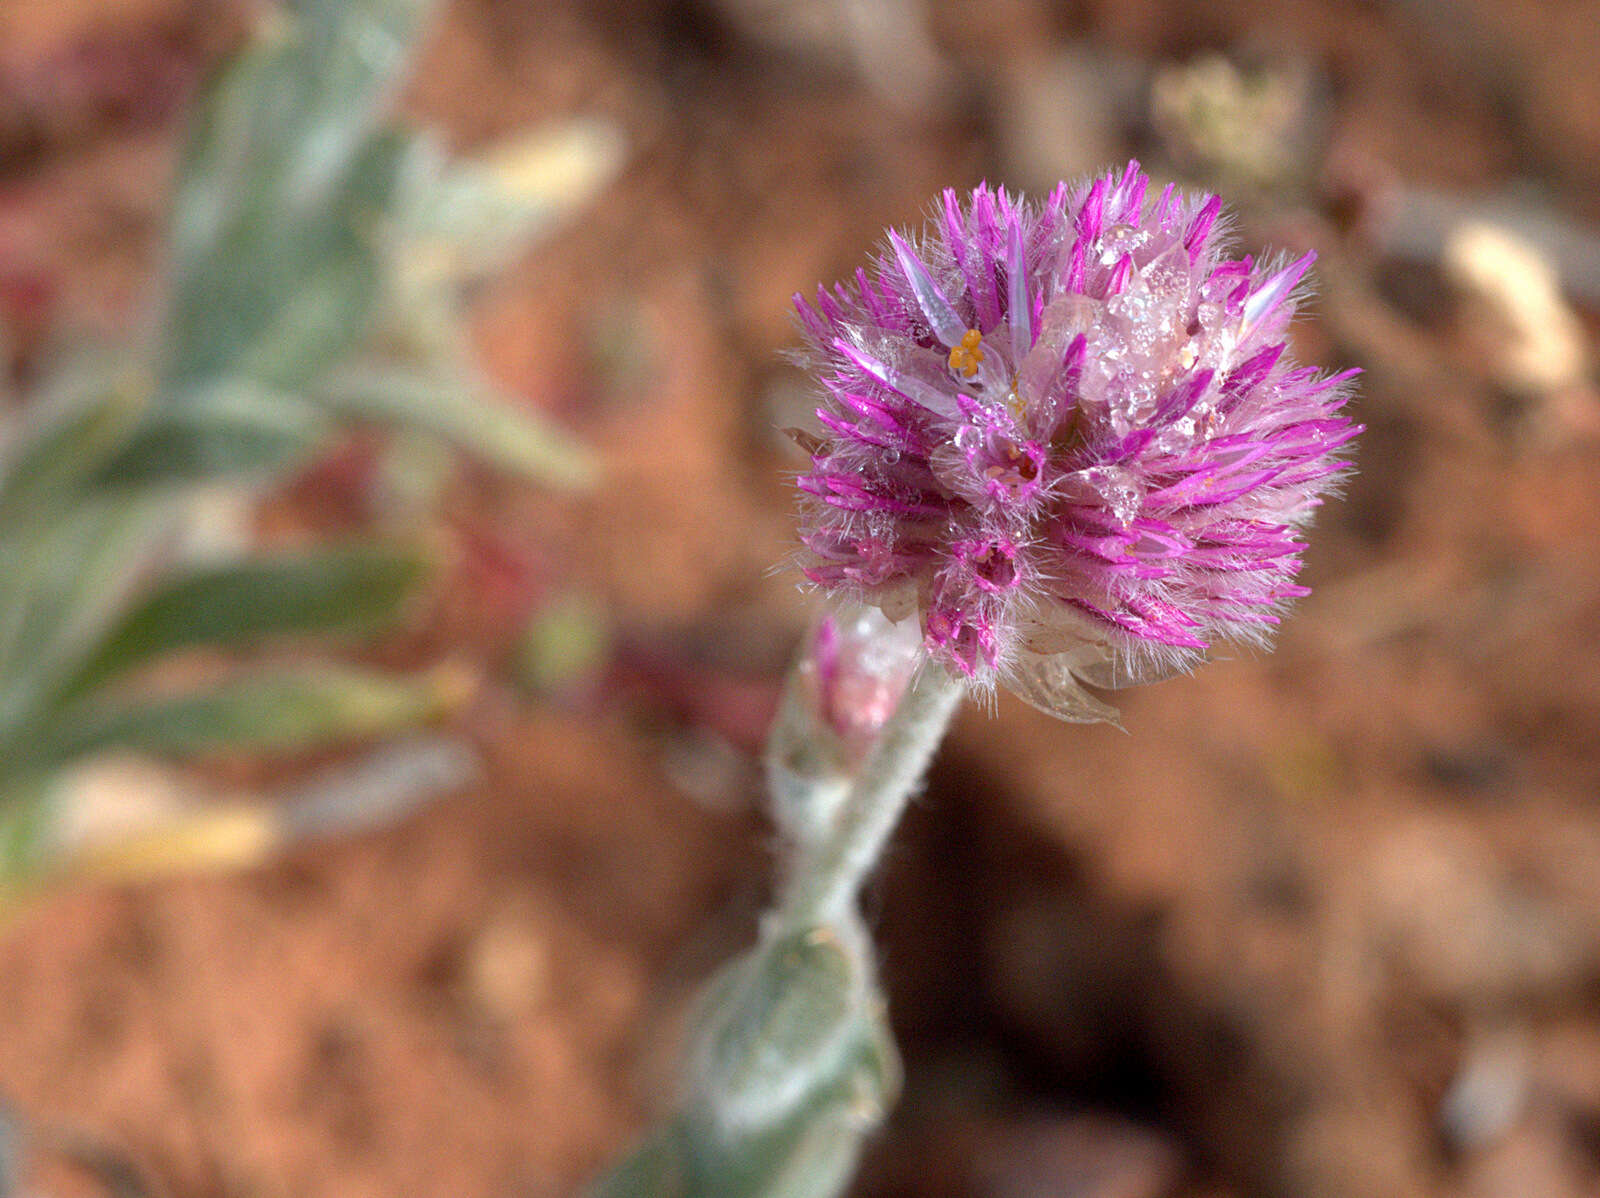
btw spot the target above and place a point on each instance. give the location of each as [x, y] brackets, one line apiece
[1323, 923]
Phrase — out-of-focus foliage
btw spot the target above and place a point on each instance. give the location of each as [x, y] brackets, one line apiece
[317, 257]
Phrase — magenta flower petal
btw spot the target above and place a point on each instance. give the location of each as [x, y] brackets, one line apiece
[1068, 437]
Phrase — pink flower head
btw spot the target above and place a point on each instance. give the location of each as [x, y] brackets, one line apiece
[1068, 437]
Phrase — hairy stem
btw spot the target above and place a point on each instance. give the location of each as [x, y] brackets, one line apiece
[822, 885]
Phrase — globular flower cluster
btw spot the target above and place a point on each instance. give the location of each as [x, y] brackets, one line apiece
[1067, 438]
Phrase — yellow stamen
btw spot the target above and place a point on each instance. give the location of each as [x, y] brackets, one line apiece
[1014, 400]
[966, 356]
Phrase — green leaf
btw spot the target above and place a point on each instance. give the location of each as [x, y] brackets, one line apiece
[26, 808]
[812, 1153]
[285, 182]
[291, 285]
[223, 431]
[463, 218]
[286, 709]
[61, 446]
[466, 413]
[820, 1159]
[796, 1066]
[73, 565]
[276, 129]
[777, 1021]
[809, 1153]
[64, 585]
[565, 644]
[13, 1136]
[652, 1169]
[344, 590]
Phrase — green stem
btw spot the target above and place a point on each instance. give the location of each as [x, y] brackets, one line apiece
[822, 885]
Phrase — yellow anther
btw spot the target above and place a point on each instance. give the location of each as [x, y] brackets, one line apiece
[966, 356]
[1014, 399]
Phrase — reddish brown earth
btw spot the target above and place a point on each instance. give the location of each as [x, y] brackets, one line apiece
[1301, 931]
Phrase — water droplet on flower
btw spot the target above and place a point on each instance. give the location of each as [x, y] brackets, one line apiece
[1117, 491]
[1119, 240]
[1169, 275]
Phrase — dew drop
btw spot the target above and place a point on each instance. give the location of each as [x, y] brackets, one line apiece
[1116, 489]
[1169, 275]
[1119, 240]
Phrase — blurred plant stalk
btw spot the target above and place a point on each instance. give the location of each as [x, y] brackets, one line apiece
[122, 818]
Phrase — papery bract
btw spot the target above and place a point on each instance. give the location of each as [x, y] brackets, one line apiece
[1067, 437]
